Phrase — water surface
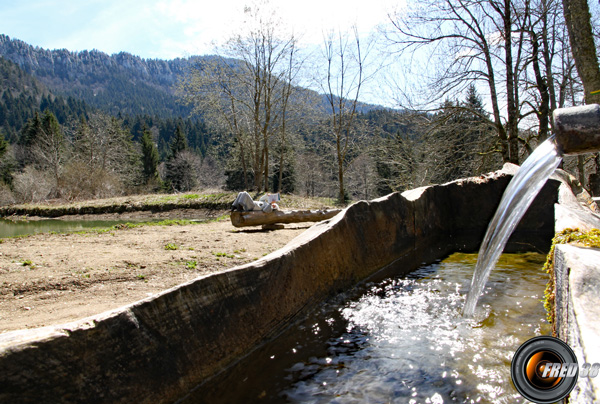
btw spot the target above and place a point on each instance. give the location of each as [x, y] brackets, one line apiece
[12, 228]
[403, 340]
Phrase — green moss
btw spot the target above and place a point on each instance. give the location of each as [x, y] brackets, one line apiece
[567, 236]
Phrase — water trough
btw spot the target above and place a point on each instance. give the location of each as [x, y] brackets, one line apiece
[158, 349]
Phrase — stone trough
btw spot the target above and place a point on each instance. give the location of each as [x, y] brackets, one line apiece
[158, 349]
[577, 272]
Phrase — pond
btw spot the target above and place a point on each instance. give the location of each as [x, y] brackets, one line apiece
[402, 340]
[12, 228]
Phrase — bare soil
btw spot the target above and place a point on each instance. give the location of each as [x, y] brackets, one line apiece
[50, 279]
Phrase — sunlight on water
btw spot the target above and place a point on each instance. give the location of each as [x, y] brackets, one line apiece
[402, 340]
[407, 342]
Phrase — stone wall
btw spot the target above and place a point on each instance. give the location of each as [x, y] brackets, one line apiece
[156, 350]
[577, 272]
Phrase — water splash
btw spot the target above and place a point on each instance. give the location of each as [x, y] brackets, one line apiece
[519, 194]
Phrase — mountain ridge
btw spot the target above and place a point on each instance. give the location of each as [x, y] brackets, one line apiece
[121, 83]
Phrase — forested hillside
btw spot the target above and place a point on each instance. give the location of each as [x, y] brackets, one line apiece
[77, 117]
[117, 84]
[85, 124]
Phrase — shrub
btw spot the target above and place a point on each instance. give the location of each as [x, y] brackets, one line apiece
[33, 185]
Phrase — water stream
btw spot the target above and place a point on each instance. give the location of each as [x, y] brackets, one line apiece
[402, 340]
[519, 194]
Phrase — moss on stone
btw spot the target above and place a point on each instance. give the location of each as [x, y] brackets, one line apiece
[567, 236]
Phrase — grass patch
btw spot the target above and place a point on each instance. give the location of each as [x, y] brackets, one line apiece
[222, 254]
[166, 222]
[171, 247]
[191, 264]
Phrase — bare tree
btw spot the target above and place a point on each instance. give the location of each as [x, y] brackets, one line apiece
[362, 177]
[342, 86]
[578, 20]
[213, 88]
[250, 95]
[287, 90]
[102, 143]
[548, 69]
[103, 161]
[42, 144]
[471, 41]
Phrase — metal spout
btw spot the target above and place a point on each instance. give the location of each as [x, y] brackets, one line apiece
[577, 129]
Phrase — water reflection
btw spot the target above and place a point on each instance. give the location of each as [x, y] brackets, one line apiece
[402, 341]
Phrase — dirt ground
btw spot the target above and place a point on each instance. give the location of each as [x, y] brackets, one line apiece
[51, 279]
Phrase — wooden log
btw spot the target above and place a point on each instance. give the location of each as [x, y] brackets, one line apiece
[258, 218]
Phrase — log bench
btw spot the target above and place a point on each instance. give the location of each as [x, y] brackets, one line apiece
[276, 219]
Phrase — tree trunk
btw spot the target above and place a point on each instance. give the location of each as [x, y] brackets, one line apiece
[512, 121]
[340, 174]
[544, 103]
[578, 19]
[266, 148]
[280, 186]
[244, 167]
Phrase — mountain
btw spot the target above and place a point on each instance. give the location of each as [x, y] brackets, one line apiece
[118, 84]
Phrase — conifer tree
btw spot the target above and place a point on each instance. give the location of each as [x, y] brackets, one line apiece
[3, 144]
[149, 156]
[30, 131]
[179, 143]
[6, 164]
[180, 171]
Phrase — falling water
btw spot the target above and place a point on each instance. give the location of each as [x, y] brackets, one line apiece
[519, 194]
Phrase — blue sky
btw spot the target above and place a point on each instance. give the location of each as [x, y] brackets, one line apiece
[167, 29]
